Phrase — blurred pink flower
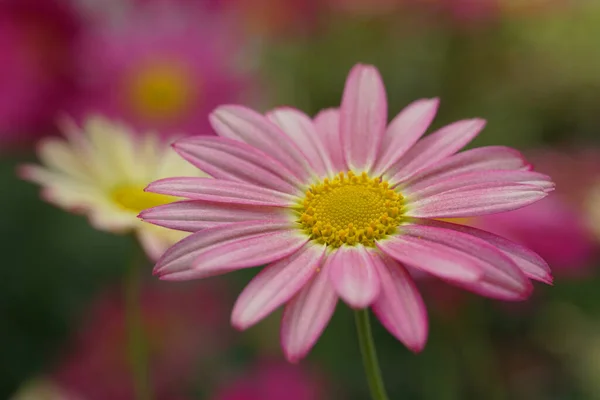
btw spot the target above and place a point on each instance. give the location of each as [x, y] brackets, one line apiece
[36, 38]
[560, 227]
[182, 325]
[159, 68]
[550, 228]
[578, 179]
[274, 381]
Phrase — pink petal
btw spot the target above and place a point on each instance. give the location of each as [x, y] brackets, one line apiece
[479, 199]
[403, 132]
[363, 117]
[243, 124]
[444, 183]
[221, 191]
[400, 307]
[354, 276]
[501, 276]
[435, 147]
[228, 247]
[236, 161]
[301, 130]
[306, 316]
[275, 285]
[193, 215]
[532, 265]
[479, 159]
[437, 259]
[327, 123]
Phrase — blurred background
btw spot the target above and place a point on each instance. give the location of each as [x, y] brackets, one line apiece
[530, 67]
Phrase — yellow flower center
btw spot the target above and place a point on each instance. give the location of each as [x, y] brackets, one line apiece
[350, 209]
[161, 91]
[133, 198]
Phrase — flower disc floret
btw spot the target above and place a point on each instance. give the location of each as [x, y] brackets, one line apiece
[134, 198]
[351, 210]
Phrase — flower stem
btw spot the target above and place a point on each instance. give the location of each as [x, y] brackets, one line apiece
[369, 355]
[136, 340]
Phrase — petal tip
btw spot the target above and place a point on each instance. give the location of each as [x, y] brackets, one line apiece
[480, 123]
[547, 279]
[293, 357]
[434, 102]
[417, 347]
[237, 324]
[23, 172]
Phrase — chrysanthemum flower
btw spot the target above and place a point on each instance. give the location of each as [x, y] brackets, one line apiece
[101, 172]
[161, 67]
[339, 205]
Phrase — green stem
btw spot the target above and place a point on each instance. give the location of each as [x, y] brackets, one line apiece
[136, 340]
[369, 355]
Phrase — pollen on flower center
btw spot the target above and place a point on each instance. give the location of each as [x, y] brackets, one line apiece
[350, 209]
[133, 198]
[161, 91]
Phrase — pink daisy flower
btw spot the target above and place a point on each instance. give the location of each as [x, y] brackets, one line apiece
[339, 205]
[160, 67]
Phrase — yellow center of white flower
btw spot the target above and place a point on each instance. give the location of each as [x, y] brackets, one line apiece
[350, 210]
[133, 198]
[161, 91]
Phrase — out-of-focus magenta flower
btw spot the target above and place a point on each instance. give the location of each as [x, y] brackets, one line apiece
[182, 325]
[550, 228]
[560, 227]
[578, 180]
[35, 38]
[160, 68]
[275, 381]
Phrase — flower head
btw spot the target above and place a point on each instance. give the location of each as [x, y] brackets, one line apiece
[336, 206]
[101, 172]
[161, 67]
